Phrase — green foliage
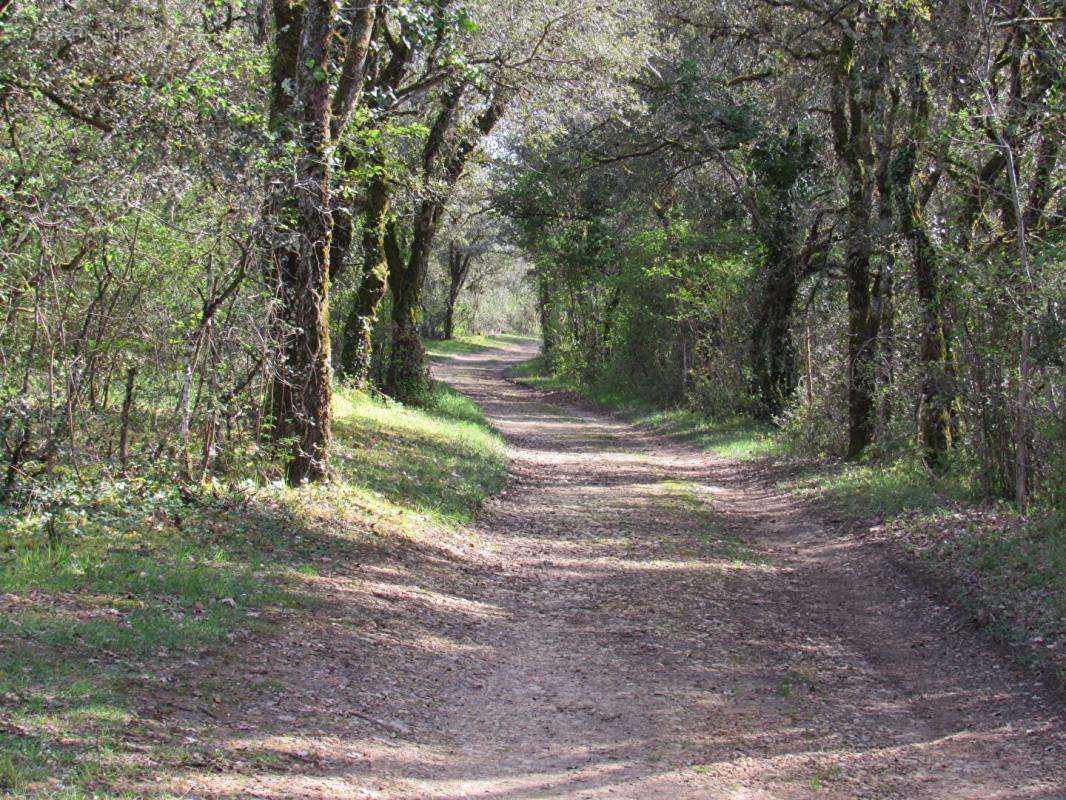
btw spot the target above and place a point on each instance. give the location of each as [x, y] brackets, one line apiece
[735, 437]
[632, 298]
[462, 345]
[106, 590]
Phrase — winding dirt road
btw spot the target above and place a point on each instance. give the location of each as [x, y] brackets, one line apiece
[635, 619]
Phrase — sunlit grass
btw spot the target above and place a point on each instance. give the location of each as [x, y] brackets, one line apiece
[113, 581]
[475, 343]
[878, 488]
[737, 438]
[438, 460]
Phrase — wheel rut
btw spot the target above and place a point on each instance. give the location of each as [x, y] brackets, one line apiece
[632, 618]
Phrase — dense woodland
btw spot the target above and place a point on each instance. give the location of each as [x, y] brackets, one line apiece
[805, 259]
[844, 218]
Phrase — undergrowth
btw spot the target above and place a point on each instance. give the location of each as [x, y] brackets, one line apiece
[476, 343]
[734, 437]
[104, 588]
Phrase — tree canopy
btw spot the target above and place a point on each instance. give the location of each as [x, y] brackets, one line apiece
[844, 218]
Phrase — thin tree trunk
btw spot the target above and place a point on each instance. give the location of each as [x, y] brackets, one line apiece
[544, 311]
[458, 271]
[1021, 431]
[937, 395]
[407, 377]
[884, 288]
[773, 354]
[188, 368]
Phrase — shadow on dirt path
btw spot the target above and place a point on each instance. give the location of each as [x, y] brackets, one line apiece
[630, 619]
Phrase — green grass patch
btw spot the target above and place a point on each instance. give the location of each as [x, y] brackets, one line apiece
[737, 438]
[103, 586]
[824, 775]
[885, 489]
[437, 461]
[479, 343]
[710, 537]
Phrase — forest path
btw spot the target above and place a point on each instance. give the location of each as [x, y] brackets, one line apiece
[636, 619]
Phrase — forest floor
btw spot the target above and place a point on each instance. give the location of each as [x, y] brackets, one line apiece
[630, 618]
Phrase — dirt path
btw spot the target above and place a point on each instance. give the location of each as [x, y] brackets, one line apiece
[632, 619]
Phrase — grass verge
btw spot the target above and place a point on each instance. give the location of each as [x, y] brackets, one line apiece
[1007, 571]
[107, 591]
[479, 343]
[736, 438]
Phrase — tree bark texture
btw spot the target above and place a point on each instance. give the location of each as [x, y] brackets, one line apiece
[937, 392]
[300, 112]
[378, 244]
[406, 377]
[855, 83]
[458, 271]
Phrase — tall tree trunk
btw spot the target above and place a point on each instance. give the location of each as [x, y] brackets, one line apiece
[855, 85]
[380, 250]
[779, 166]
[884, 289]
[302, 392]
[458, 270]
[544, 312]
[407, 378]
[773, 354]
[937, 391]
[449, 320]
[862, 328]
[127, 409]
[288, 22]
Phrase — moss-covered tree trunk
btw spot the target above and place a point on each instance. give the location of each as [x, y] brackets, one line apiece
[301, 245]
[855, 85]
[407, 377]
[937, 389]
[359, 324]
[862, 328]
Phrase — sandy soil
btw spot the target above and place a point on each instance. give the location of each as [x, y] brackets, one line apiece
[630, 619]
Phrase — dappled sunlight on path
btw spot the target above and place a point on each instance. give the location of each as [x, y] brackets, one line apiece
[630, 619]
